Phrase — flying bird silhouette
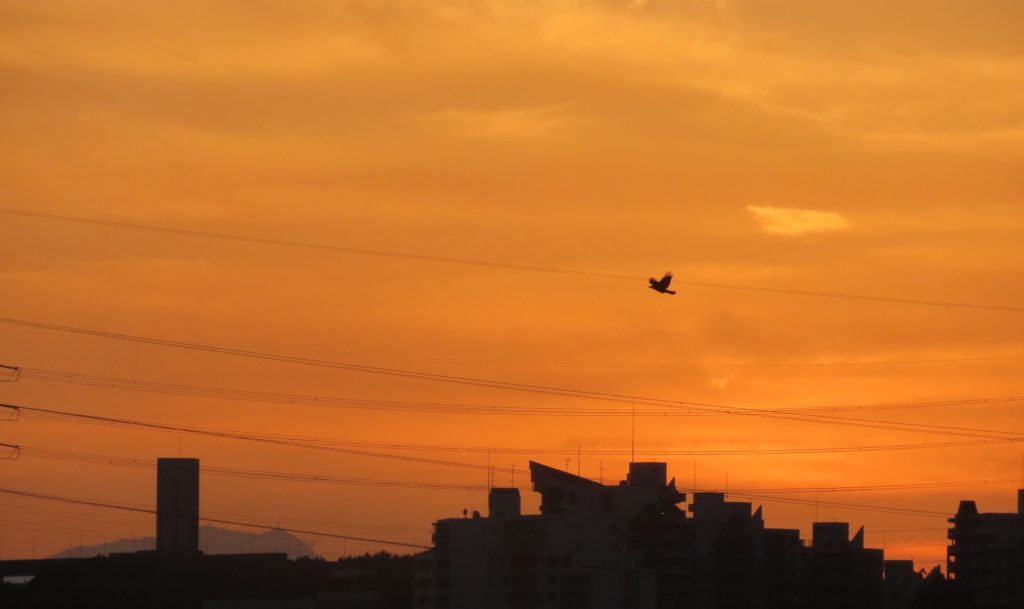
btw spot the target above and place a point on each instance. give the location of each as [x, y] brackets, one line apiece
[661, 285]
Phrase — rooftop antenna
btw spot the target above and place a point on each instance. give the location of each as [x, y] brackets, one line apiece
[579, 458]
[513, 482]
[600, 471]
[490, 472]
[632, 437]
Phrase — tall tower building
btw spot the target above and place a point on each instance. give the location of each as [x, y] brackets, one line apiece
[177, 505]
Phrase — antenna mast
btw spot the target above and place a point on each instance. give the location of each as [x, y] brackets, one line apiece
[632, 437]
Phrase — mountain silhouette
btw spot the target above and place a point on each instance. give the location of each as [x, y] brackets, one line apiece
[212, 540]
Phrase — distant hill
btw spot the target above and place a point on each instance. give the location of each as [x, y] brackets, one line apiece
[212, 540]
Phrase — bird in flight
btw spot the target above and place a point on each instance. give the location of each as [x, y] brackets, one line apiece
[661, 285]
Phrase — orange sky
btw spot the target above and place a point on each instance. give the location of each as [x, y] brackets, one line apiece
[848, 146]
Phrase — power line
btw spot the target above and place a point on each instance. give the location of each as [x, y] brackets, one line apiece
[855, 363]
[12, 373]
[359, 448]
[253, 525]
[310, 443]
[844, 505]
[317, 246]
[490, 264]
[395, 372]
[293, 399]
[135, 521]
[818, 450]
[872, 487]
[523, 387]
[236, 472]
[131, 462]
[852, 506]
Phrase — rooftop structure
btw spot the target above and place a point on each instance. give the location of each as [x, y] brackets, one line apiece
[632, 545]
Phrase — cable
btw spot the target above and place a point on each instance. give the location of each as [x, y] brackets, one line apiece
[862, 507]
[236, 472]
[871, 488]
[254, 525]
[135, 520]
[110, 460]
[358, 448]
[13, 373]
[318, 246]
[107, 382]
[310, 443]
[491, 264]
[853, 506]
[472, 381]
[396, 372]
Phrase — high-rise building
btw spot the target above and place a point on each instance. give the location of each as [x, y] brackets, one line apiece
[985, 556]
[177, 505]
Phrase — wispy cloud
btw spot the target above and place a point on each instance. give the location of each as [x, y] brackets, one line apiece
[506, 123]
[790, 221]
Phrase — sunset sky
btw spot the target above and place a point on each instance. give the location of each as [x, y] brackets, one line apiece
[852, 146]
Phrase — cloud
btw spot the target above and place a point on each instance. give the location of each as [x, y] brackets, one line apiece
[515, 123]
[721, 382]
[790, 221]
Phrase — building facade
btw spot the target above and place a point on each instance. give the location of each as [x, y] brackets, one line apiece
[177, 505]
[985, 556]
[633, 545]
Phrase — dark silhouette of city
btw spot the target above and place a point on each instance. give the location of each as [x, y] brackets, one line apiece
[640, 543]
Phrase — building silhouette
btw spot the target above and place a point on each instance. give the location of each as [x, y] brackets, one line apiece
[901, 584]
[177, 575]
[631, 545]
[985, 556]
[177, 505]
[636, 544]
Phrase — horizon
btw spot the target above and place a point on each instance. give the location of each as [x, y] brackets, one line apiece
[365, 260]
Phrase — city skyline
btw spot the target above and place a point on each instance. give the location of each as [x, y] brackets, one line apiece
[426, 232]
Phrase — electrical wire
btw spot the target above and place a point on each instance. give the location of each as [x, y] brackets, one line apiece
[292, 399]
[839, 504]
[315, 533]
[253, 525]
[309, 443]
[872, 487]
[129, 462]
[524, 387]
[360, 447]
[12, 373]
[491, 264]
[236, 472]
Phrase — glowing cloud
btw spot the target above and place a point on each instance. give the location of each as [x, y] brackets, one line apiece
[791, 221]
[517, 123]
